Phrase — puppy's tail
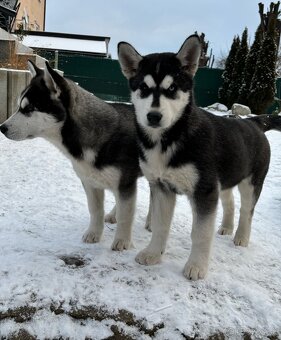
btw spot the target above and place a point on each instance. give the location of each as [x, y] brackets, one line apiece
[267, 122]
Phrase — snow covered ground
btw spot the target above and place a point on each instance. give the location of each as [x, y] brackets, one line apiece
[52, 285]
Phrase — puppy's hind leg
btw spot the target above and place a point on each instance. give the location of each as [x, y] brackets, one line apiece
[148, 217]
[125, 210]
[249, 195]
[111, 216]
[227, 200]
[95, 199]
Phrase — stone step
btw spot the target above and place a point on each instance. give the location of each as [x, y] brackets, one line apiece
[13, 54]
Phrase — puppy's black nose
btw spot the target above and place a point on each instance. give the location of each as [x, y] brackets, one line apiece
[154, 118]
[3, 129]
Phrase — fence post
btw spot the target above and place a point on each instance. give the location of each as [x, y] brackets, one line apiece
[56, 59]
[3, 95]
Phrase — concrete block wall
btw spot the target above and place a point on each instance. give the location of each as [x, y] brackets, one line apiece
[7, 48]
[12, 83]
[15, 78]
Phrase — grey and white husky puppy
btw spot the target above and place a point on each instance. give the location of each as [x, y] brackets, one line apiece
[99, 139]
[186, 150]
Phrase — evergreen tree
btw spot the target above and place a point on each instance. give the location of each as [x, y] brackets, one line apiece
[250, 67]
[262, 88]
[239, 66]
[228, 71]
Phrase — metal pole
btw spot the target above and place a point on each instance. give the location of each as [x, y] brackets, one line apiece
[56, 59]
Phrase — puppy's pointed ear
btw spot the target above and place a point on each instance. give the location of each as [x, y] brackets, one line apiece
[52, 79]
[129, 59]
[34, 70]
[189, 54]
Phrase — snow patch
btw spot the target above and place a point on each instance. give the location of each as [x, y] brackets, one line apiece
[43, 215]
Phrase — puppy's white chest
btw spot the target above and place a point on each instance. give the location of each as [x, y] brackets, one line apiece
[156, 163]
[181, 180]
[105, 178]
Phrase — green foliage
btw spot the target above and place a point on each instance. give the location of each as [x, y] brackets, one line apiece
[228, 71]
[250, 67]
[20, 32]
[239, 66]
[250, 78]
[262, 88]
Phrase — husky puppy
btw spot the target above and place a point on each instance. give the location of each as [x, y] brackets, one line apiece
[100, 141]
[186, 150]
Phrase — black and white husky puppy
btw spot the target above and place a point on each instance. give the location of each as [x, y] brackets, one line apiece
[99, 139]
[186, 150]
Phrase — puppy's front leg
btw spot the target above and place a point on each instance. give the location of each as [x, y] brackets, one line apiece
[162, 208]
[95, 198]
[202, 234]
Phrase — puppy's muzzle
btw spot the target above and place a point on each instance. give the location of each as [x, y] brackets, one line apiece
[154, 118]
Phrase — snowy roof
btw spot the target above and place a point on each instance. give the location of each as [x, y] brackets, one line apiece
[67, 42]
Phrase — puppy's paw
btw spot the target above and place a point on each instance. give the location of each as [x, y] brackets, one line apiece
[110, 218]
[91, 236]
[121, 244]
[147, 257]
[195, 270]
[240, 240]
[225, 231]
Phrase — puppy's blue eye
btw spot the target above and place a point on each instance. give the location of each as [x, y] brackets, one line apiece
[172, 87]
